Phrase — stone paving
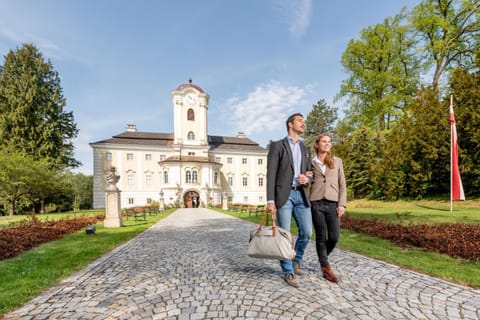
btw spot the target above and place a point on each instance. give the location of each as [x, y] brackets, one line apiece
[193, 265]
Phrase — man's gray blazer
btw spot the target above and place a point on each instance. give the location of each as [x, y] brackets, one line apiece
[280, 171]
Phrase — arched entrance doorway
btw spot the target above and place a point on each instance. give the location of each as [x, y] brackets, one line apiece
[191, 199]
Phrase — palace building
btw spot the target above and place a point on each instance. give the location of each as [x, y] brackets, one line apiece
[185, 168]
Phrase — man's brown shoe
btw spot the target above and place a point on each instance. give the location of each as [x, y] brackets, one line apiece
[329, 275]
[297, 269]
[292, 280]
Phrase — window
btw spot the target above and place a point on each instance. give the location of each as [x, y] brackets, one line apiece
[149, 200]
[218, 159]
[148, 180]
[162, 157]
[260, 182]
[229, 160]
[108, 156]
[129, 156]
[245, 181]
[130, 201]
[229, 198]
[165, 176]
[215, 178]
[191, 153]
[244, 160]
[260, 162]
[188, 176]
[148, 156]
[230, 181]
[191, 115]
[191, 135]
[194, 176]
[260, 199]
[130, 179]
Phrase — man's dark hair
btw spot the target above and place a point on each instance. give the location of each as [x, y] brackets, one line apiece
[292, 117]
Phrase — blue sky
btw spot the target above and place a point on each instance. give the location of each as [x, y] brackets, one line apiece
[259, 60]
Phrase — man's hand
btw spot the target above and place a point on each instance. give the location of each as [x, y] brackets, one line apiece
[302, 179]
[272, 208]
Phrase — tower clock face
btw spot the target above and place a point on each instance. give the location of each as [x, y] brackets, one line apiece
[190, 98]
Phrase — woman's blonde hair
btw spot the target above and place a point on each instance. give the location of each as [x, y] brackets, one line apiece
[329, 156]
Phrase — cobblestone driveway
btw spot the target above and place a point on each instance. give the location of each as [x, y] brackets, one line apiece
[193, 265]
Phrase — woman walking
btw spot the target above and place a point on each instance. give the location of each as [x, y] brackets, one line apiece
[329, 200]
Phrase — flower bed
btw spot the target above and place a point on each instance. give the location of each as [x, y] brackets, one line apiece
[456, 240]
[27, 234]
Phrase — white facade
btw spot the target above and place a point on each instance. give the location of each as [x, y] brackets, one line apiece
[184, 166]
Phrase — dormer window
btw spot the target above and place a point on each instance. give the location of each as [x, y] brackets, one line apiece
[191, 135]
[191, 115]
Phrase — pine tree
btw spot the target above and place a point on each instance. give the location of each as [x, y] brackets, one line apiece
[32, 108]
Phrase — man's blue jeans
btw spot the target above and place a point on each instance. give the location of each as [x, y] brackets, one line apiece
[296, 207]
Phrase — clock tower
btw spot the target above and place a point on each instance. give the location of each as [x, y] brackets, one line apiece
[190, 105]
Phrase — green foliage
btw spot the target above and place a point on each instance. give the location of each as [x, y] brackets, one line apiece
[383, 73]
[357, 151]
[448, 34]
[82, 189]
[32, 115]
[423, 135]
[320, 120]
[27, 180]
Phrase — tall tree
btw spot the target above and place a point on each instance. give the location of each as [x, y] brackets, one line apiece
[14, 168]
[423, 138]
[448, 31]
[321, 119]
[32, 115]
[82, 187]
[383, 73]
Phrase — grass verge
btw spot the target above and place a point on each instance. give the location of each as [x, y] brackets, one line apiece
[29, 274]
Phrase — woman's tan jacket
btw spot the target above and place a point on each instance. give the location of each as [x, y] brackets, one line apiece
[331, 185]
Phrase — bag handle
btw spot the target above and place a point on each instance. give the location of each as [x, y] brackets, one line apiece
[274, 222]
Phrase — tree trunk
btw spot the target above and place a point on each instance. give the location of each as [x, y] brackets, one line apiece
[11, 207]
[42, 205]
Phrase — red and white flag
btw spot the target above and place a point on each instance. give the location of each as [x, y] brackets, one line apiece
[456, 188]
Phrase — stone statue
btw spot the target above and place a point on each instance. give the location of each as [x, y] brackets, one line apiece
[112, 178]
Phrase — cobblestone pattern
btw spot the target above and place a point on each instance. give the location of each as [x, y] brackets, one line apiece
[193, 265]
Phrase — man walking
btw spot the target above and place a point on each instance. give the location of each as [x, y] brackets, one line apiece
[287, 164]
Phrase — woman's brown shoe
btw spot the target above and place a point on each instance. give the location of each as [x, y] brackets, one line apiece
[328, 274]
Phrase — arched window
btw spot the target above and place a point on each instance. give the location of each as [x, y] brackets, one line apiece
[191, 135]
[191, 115]
[165, 176]
[194, 176]
[188, 176]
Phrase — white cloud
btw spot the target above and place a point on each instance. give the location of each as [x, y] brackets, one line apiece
[301, 16]
[266, 108]
[46, 46]
[298, 15]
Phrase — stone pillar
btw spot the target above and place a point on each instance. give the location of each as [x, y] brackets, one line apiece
[113, 210]
[161, 202]
[224, 201]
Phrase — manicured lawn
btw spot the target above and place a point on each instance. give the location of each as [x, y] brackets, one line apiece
[27, 275]
[408, 212]
[427, 211]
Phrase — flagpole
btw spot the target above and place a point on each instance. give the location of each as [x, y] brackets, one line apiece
[451, 159]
